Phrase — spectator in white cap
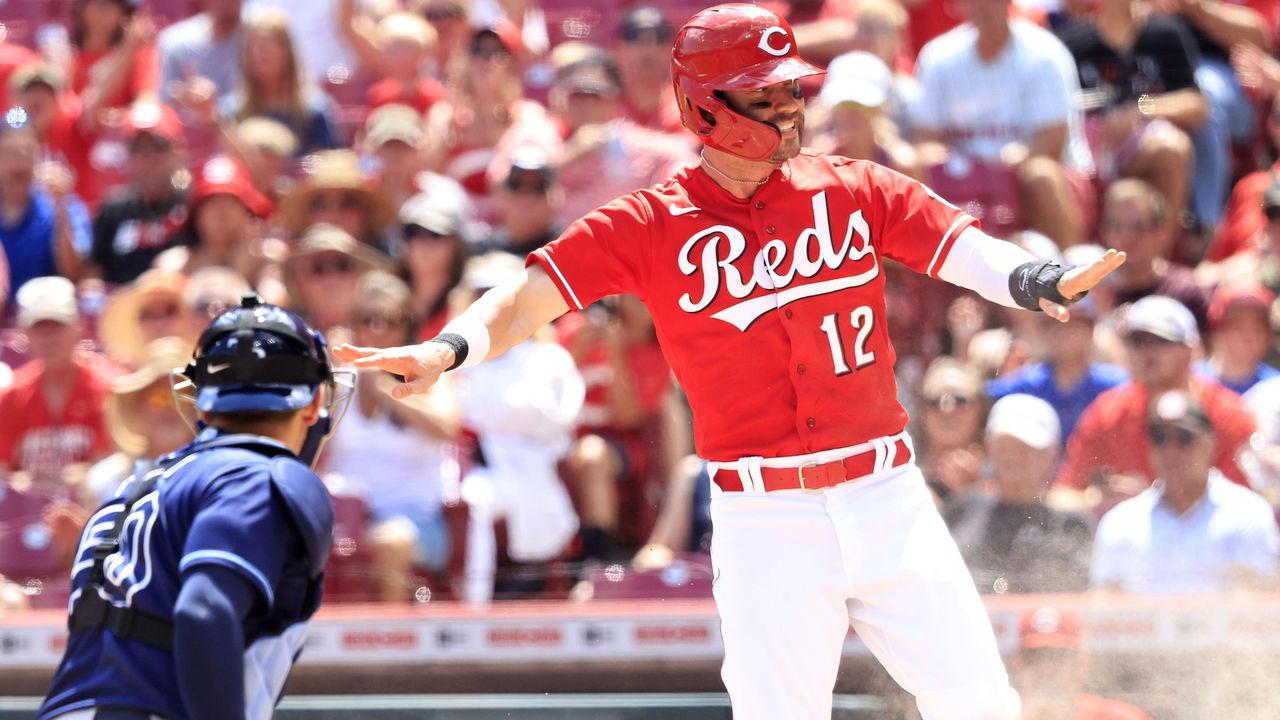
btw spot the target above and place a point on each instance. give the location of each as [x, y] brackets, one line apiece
[51, 417]
[528, 204]
[857, 94]
[432, 260]
[1108, 449]
[1193, 531]
[1012, 540]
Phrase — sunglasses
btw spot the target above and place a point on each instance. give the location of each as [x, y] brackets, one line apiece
[948, 402]
[528, 188]
[341, 265]
[153, 313]
[343, 201]
[1272, 213]
[1161, 435]
[417, 232]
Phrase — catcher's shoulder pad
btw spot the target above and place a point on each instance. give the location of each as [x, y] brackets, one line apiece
[309, 505]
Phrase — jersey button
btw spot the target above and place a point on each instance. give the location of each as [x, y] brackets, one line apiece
[788, 312]
[770, 229]
[810, 422]
[759, 205]
[800, 369]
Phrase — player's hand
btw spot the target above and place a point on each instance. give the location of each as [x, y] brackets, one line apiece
[421, 365]
[1080, 280]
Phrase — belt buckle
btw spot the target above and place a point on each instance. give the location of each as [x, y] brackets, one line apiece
[800, 472]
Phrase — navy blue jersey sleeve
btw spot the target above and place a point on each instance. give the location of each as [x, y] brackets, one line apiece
[241, 524]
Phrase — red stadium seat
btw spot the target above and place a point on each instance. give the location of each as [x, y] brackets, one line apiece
[688, 576]
[987, 191]
[347, 575]
[28, 554]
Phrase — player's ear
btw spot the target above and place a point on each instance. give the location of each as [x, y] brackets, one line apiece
[311, 413]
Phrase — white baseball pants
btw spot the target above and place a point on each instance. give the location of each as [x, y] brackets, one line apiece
[795, 568]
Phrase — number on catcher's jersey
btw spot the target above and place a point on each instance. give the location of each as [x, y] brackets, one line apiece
[863, 320]
[127, 570]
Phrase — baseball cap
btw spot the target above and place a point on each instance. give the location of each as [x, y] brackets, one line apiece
[1163, 317]
[427, 211]
[856, 77]
[529, 161]
[225, 175]
[47, 298]
[1180, 409]
[1049, 627]
[594, 75]
[153, 118]
[1242, 294]
[1027, 418]
[644, 23]
[390, 122]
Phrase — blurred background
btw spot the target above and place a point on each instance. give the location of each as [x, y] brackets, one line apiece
[530, 538]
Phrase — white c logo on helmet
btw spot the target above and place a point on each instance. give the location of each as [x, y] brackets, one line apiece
[764, 42]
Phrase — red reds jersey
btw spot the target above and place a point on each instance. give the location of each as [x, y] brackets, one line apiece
[771, 310]
[35, 439]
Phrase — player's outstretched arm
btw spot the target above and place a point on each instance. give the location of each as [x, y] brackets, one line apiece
[1006, 274]
[501, 319]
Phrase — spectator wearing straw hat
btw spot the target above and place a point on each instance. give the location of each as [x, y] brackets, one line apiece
[142, 416]
[334, 190]
[141, 312]
[322, 274]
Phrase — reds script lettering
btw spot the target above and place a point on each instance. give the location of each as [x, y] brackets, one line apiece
[726, 244]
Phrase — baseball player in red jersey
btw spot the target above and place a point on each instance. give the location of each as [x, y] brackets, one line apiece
[762, 269]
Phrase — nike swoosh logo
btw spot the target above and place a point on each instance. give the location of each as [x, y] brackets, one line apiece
[677, 212]
[218, 368]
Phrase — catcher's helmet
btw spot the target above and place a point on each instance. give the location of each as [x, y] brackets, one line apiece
[258, 357]
[733, 47]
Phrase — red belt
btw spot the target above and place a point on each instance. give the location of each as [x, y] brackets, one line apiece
[813, 476]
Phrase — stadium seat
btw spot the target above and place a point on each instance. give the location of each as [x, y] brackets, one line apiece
[688, 576]
[28, 556]
[987, 191]
[347, 575]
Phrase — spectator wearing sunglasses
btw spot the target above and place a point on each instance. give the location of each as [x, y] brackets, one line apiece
[1242, 221]
[1193, 530]
[1107, 456]
[210, 292]
[334, 190]
[529, 201]
[322, 274]
[433, 259]
[950, 452]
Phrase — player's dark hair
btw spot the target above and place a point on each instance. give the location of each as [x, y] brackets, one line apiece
[247, 421]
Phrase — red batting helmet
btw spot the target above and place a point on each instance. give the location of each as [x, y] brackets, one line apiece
[733, 47]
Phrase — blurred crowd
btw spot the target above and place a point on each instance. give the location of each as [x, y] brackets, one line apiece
[376, 164]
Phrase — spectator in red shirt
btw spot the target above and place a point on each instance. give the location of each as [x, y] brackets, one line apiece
[396, 53]
[1050, 670]
[644, 62]
[1243, 219]
[66, 135]
[51, 418]
[115, 61]
[617, 352]
[1109, 447]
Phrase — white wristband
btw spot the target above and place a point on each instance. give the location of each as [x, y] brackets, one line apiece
[476, 335]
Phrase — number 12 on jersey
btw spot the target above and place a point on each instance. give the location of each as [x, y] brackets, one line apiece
[863, 321]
